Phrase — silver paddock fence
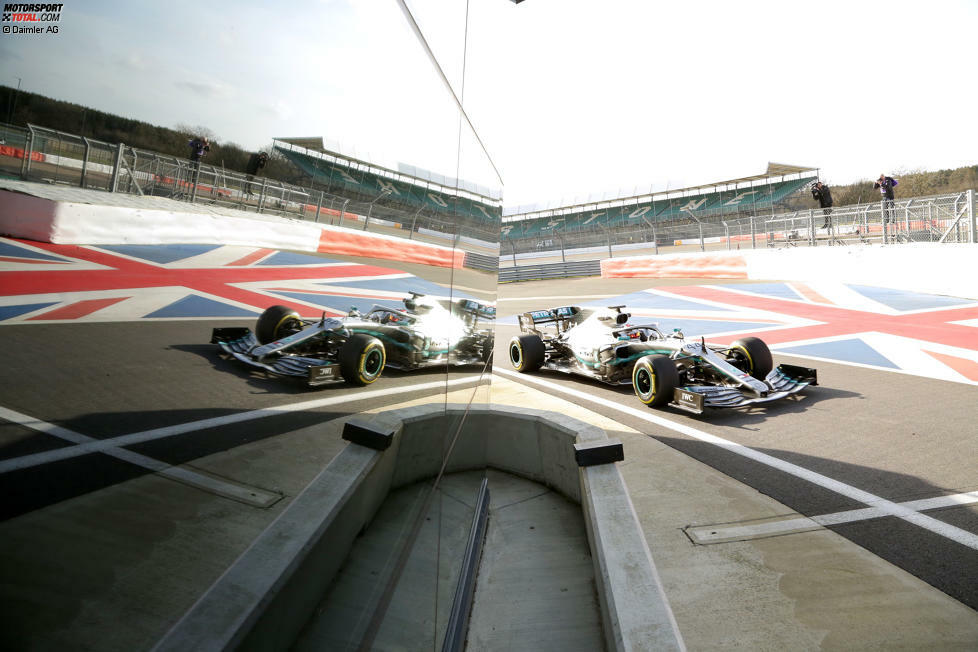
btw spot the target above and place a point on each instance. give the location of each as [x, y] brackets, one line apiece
[47, 155]
[947, 218]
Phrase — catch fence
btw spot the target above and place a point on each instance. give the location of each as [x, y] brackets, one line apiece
[47, 155]
[949, 218]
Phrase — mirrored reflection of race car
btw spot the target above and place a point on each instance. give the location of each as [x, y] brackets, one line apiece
[664, 369]
[357, 348]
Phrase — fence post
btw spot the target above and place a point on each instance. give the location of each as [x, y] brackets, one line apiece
[342, 212]
[885, 220]
[753, 234]
[971, 216]
[25, 167]
[319, 205]
[114, 184]
[88, 147]
[261, 197]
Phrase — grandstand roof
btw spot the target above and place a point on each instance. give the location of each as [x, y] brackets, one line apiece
[774, 171]
[319, 144]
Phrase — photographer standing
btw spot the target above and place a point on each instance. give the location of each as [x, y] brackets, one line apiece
[198, 148]
[885, 185]
[821, 194]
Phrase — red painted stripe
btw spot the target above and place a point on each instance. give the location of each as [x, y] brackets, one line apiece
[31, 261]
[965, 367]
[932, 326]
[810, 294]
[78, 309]
[253, 257]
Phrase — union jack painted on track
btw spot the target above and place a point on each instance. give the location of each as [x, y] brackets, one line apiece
[45, 283]
[921, 334]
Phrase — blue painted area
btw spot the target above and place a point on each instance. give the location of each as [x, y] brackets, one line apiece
[161, 254]
[777, 290]
[851, 350]
[903, 300]
[292, 258]
[342, 304]
[406, 285]
[196, 306]
[9, 312]
[647, 300]
[12, 250]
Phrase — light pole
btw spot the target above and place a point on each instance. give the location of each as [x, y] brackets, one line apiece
[370, 206]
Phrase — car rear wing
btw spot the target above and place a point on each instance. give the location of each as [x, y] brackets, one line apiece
[471, 307]
[559, 317]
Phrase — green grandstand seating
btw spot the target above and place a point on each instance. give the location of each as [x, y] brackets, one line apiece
[342, 180]
[663, 210]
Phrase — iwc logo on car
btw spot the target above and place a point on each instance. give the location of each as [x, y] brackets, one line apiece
[31, 18]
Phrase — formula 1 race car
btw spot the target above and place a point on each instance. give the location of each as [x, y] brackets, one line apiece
[664, 369]
[356, 348]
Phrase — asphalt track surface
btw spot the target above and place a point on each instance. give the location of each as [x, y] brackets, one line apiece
[898, 437]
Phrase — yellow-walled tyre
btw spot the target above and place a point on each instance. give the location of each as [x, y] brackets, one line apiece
[753, 357]
[654, 379]
[277, 322]
[362, 359]
[526, 353]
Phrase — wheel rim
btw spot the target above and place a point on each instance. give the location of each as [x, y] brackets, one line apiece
[516, 355]
[644, 383]
[373, 363]
[282, 322]
[745, 358]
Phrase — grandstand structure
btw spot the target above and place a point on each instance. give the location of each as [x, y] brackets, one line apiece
[407, 196]
[634, 218]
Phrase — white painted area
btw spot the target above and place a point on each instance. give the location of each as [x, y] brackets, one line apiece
[887, 507]
[948, 269]
[114, 443]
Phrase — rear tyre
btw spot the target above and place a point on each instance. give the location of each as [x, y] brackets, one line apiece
[752, 355]
[362, 359]
[277, 322]
[654, 379]
[526, 353]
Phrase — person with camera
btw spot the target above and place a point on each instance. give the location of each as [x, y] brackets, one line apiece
[821, 194]
[885, 185]
[198, 148]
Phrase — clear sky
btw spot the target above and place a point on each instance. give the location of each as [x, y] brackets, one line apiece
[570, 98]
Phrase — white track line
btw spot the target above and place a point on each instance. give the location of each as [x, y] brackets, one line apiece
[110, 446]
[233, 490]
[766, 528]
[886, 507]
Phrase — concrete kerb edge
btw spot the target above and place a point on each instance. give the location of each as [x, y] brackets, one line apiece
[256, 605]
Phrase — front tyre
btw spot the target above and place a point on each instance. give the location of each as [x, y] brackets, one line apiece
[526, 353]
[277, 322]
[752, 355]
[362, 359]
[655, 379]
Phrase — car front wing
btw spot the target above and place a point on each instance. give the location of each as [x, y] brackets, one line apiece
[783, 381]
[239, 342]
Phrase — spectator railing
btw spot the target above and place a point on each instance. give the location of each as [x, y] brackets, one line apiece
[48, 155]
[941, 218]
